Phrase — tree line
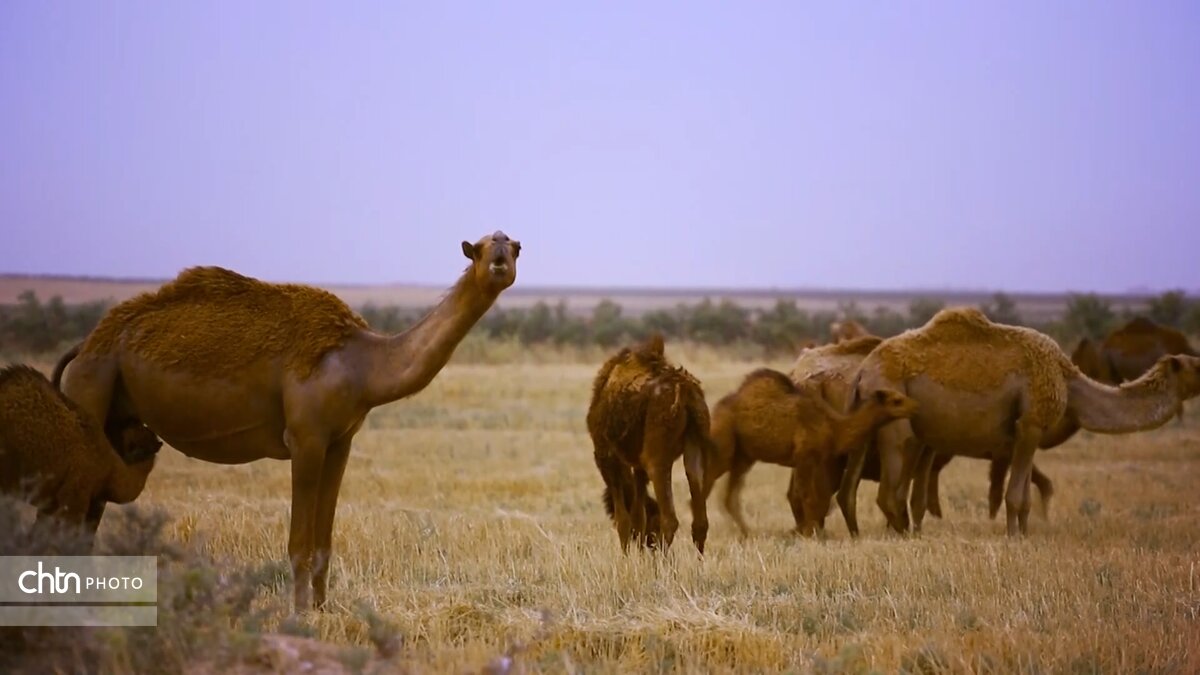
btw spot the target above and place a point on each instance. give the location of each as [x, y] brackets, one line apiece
[33, 326]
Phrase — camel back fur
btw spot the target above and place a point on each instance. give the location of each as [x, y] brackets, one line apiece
[213, 321]
[961, 349]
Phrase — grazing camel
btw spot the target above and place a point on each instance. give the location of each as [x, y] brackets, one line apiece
[645, 413]
[229, 369]
[61, 456]
[769, 419]
[989, 390]
[829, 371]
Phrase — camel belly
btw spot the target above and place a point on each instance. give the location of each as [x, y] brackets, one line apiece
[228, 421]
[969, 424]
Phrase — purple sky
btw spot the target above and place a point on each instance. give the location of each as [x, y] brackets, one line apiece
[1024, 146]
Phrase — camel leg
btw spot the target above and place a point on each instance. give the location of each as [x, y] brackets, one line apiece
[847, 495]
[934, 500]
[616, 482]
[895, 465]
[1045, 489]
[699, 504]
[1017, 498]
[660, 476]
[308, 460]
[639, 509]
[91, 521]
[797, 486]
[920, 488]
[733, 491]
[331, 484]
[996, 475]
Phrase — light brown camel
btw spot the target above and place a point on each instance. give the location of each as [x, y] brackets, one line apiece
[769, 419]
[59, 457]
[646, 413]
[989, 390]
[230, 369]
[830, 369]
[846, 330]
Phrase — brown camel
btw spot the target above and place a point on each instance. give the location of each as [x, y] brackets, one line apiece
[1126, 354]
[56, 453]
[829, 370]
[769, 419]
[846, 330]
[230, 370]
[646, 413]
[989, 390]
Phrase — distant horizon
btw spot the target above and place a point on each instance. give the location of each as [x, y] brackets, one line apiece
[543, 289]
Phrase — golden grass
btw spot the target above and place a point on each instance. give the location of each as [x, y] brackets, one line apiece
[470, 509]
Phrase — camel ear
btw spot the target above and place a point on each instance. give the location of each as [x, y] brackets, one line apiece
[469, 250]
[516, 248]
[1174, 364]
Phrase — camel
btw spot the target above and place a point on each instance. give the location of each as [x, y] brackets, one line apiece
[989, 390]
[1126, 354]
[229, 369]
[846, 330]
[829, 371]
[769, 419]
[645, 413]
[56, 452]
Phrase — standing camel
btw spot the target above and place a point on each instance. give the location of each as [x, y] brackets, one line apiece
[229, 369]
[829, 371]
[989, 390]
[645, 413]
[768, 419]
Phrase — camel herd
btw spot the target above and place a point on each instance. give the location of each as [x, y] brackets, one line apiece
[892, 410]
[229, 369]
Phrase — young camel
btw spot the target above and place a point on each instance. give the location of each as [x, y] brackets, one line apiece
[645, 414]
[769, 419]
[989, 390]
[829, 372]
[229, 369]
[58, 453]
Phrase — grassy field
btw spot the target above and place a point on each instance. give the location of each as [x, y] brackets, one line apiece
[470, 516]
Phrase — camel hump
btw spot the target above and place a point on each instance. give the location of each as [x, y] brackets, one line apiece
[772, 376]
[1140, 324]
[859, 346]
[655, 344]
[21, 373]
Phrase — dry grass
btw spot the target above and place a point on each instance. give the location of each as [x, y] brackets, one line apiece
[474, 507]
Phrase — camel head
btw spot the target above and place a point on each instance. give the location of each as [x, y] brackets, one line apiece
[1183, 372]
[493, 261]
[138, 443]
[893, 404]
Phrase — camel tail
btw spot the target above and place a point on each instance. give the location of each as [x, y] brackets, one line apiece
[699, 448]
[62, 365]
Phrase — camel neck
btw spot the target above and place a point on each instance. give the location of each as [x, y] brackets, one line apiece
[1146, 403]
[851, 430]
[406, 363]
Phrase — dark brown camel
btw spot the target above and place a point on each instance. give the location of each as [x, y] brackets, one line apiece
[230, 370]
[646, 413]
[59, 457]
[769, 419]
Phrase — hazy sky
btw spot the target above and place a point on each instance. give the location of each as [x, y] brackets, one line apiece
[1027, 146]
